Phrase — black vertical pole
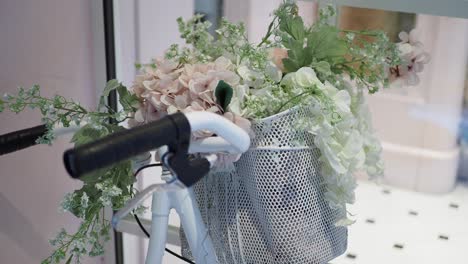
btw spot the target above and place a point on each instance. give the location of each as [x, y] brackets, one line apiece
[108, 8]
[110, 50]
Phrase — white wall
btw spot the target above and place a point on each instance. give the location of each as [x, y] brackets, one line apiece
[418, 125]
[48, 42]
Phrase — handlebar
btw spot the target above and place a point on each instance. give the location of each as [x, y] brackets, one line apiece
[173, 131]
[26, 138]
[238, 138]
[20, 139]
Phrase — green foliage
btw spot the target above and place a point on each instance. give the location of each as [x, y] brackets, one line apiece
[223, 93]
[110, 86]
[2, 105]
[86, 134]
[333, 52]
[195, 32]
[110, 186]
[231, 42]
[294, 27]
[55, 110]
[324, 43]
[319, 43]
[129, 101]
[322, 68]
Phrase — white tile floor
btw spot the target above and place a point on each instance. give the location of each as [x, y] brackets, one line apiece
[400, 226]
[397, 226]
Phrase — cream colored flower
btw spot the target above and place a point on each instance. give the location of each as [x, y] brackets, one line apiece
[235, 106]
[250, 77]
[306, 77]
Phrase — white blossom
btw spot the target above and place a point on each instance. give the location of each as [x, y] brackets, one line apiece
[344, 137]
[108, 191]
[67, 203]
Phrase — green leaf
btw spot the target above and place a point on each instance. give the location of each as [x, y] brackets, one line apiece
[2, 105]
[90, 179]
[128, 100]
[102, 102]
[324, 43]
[294, 27]
[87, 134]
[322, 67]
[223, 93]
[290, 65]
[112, 128]
[298, 56]
[110, 86]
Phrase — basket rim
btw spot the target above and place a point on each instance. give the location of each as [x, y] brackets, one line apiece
[277, 115]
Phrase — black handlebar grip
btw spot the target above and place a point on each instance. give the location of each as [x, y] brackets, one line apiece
[21, 139]
[198, 168]
[121, 145]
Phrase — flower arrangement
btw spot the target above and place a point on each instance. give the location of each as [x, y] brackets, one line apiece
[294, 65]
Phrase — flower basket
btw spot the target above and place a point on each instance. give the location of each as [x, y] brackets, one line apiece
[270, 207]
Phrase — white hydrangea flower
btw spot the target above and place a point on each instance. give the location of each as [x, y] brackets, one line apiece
[341, 98]
[306, 77]
[273, 72]
[250, 77]
[238, 98]
[342, 128]
[289, 80]
[373, 163]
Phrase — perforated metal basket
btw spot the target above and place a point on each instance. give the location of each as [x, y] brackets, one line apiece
[270, 207]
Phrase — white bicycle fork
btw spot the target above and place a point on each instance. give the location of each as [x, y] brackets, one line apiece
[165, 197]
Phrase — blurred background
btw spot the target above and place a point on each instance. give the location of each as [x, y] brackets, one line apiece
[418, 214]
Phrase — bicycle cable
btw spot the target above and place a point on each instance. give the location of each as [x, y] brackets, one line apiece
[143, 229]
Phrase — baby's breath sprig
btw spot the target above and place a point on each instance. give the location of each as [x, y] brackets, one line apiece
[370, 54]
[55, 111]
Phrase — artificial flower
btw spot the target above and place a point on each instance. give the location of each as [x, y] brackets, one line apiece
[413, 58]
[277, 55]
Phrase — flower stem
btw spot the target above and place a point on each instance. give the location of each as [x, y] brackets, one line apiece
[268, 34]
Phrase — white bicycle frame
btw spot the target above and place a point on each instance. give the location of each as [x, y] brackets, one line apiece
[174, 195]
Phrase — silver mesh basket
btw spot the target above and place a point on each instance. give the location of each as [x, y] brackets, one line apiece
[270, 207]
